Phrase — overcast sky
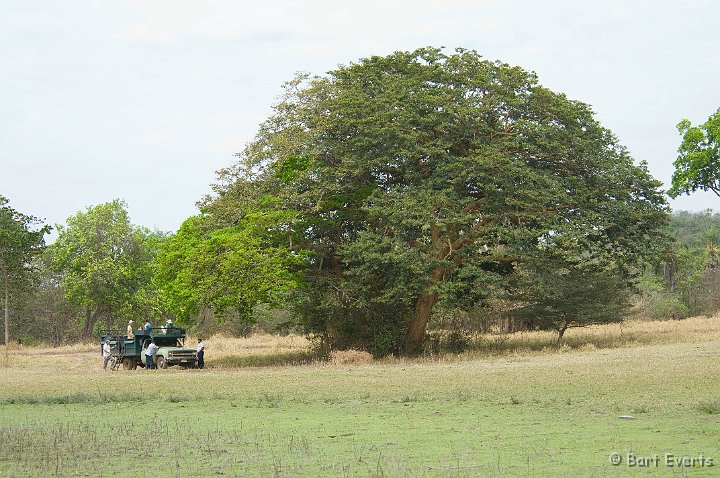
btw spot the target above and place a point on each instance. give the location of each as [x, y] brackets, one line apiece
[144, 100]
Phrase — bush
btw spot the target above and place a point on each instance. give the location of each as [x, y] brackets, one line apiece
[444, 341]
[657, 303]
[384, 345]
[457, 341]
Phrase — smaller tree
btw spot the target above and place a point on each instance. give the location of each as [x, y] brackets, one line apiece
[698, 165]
[226, 270]
[106, 264]
[19, 243]
[558, 294]
[43, 314]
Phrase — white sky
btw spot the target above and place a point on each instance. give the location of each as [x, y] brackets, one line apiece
[144, 100]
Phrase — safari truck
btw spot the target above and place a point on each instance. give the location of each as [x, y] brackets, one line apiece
[130, 351]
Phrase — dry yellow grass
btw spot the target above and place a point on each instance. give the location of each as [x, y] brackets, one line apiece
[87, 355]
[220, 346]
[628, 334]
[350, 357]
[631, 333]
[68, 357]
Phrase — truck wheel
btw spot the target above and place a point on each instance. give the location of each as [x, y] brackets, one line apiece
[160, 362]
[128, 363]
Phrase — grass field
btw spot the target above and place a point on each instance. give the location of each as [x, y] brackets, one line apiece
[515, 407]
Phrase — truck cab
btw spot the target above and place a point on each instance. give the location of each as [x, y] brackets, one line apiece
[172, 350]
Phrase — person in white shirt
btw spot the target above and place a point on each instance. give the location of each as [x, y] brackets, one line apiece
[201, 354]
[107, 354]
[149, 353]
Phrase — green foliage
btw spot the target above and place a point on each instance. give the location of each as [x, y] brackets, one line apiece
[657, 302]
[274, 320]
[695, 229]
[291, 168]
[557, 294]
[106, 265]
[686, 278]
[20, 242]
[228, 270]
[422, 177]
[43, 312]
[698, 164]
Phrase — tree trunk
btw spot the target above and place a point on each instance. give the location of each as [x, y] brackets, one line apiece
[7, 313]
[418, 324]
[89, 322]
[561, 332]
[423, 309]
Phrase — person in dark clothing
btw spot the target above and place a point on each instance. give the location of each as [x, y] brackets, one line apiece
[201, 354]
[149, 353]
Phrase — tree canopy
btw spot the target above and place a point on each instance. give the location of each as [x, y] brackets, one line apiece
[423, 176]
[20, 242]
[106, 264]
[227, 270]
[698, 164]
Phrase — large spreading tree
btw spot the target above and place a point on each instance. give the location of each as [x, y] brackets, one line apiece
[21, 239]
[424, 176]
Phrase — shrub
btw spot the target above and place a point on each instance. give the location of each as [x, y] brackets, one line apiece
[457, 341]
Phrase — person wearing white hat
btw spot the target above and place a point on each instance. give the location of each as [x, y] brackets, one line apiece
[130, 333]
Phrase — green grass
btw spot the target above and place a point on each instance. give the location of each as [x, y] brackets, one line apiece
[529, 416]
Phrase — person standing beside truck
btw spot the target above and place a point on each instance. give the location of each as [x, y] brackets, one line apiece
[201, 354]
[107, 353]
[149, 353]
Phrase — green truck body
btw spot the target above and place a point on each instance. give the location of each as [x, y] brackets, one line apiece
[130, 351]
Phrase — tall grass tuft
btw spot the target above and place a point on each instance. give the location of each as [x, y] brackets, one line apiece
[69, 399]
[709, 408]
[299, 357]
[350, 357]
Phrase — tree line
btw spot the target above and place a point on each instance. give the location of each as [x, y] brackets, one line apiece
[374, 202]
